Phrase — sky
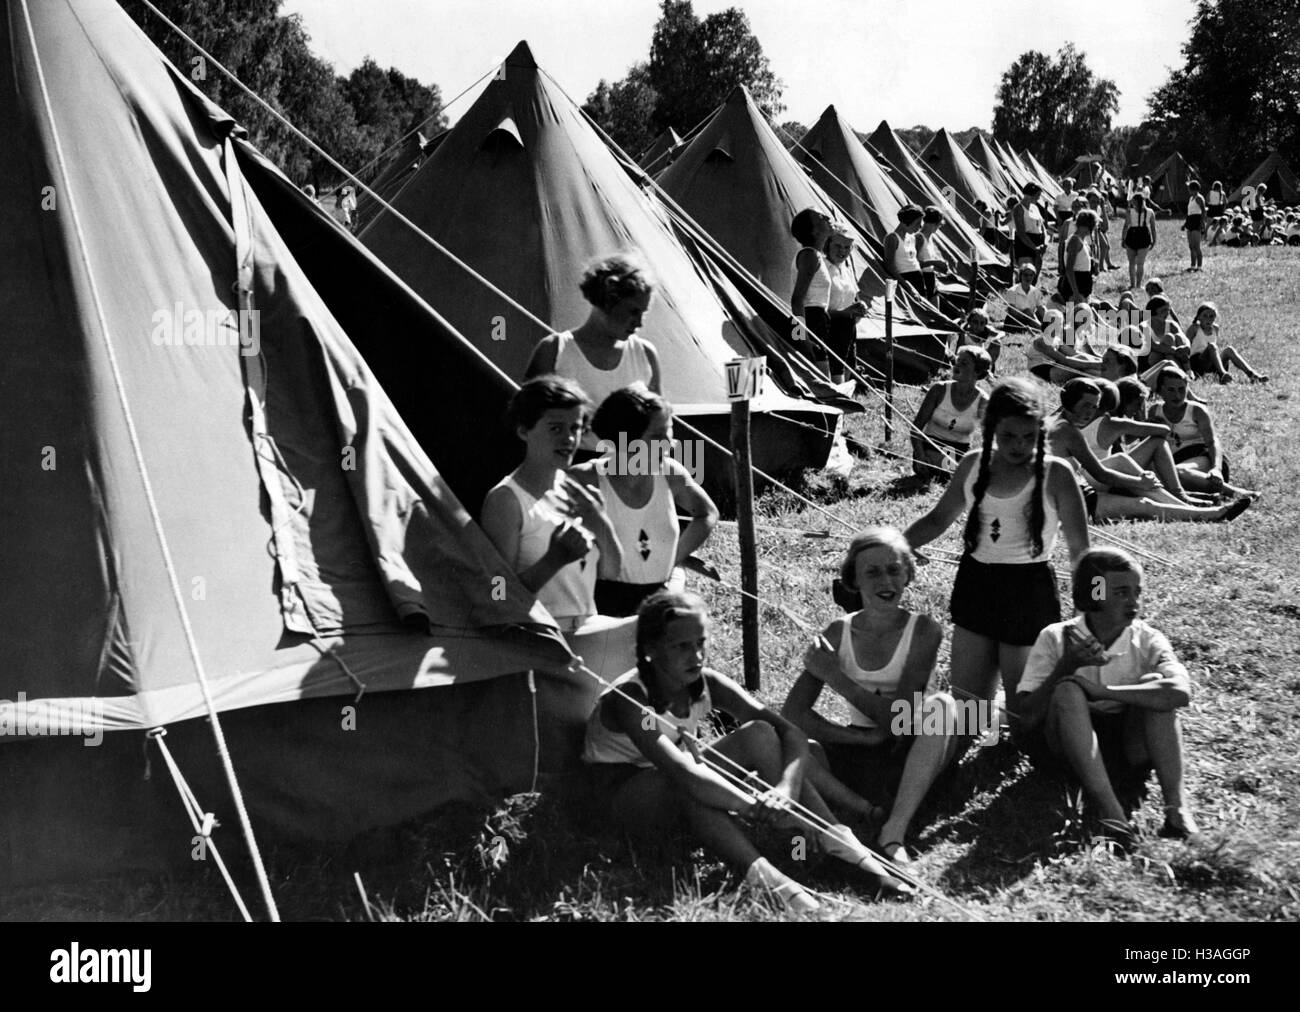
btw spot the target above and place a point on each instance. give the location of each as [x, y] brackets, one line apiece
[932, 62]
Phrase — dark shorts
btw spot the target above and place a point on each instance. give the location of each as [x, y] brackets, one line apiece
[1138, 238]
[1202, 363]
[819, 322]
[1081, 278]
[915, 280]
[870, 771]
[1010, 604]
[930, 281]
[1024, 251]
[1089, 500]
[1256, 214]
[607, 778]
[844, 342]
[1063, 217]
[1193, 223]
[1190, 452]
[620, 600]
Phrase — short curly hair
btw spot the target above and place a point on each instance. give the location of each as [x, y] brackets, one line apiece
[607, 282]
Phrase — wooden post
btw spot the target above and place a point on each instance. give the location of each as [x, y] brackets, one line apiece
[745, 380]
[890, 287]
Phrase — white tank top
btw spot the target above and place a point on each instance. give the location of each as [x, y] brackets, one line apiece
[570, 593]
[1083, 259]
[951, 425]
[819, 288]
[1004, 525]
[1065, 201]
[905, 261]
[844, 287]
[1033, 220]
[1202, 339]
[648, 535]
[603, 745]
[1092, 435]
[881, 681]
[927, 252]
[1192, 206]
[633, 367]
[1211, 200]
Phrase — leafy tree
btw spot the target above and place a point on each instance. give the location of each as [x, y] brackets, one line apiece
[1055, 107]
[1237, 96]
[272, 55]
[790, 132]
[625, 110]
[693, 66]
[916, 137]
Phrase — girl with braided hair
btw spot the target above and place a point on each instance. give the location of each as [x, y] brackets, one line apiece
[1017, 496]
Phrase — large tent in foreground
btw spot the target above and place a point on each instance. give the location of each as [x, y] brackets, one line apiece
[740, 183]
[182, 495]
[1283, 184]
[525, 193]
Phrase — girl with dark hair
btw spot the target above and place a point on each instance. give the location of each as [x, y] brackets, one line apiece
[900, 259]
[554, 531]
[1028, 230]
[644, 489]
[1202, 465]
[605, 353]
[1209, 355]
[1017, 497]
[1075, 284]
[1196, 211]
[641, 749]
[1117, 487]
[1216, 202]
[1138, 237]
[927, 253]
[1106, 687]
[810, 300]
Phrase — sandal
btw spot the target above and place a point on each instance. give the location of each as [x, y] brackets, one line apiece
[895, 852]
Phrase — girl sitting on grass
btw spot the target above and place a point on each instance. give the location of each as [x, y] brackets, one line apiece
[1105, 687]
[880, 660]
[1119, 488]
[1201, 463]
[642, 752]
[1209, 357]
[948, 416]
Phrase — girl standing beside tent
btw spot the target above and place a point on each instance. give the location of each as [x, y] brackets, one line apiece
[845, 307]
[604, 354]
[927, 254]
[1030, 236]
[1139, 237]
[642, 750]
[1196, 211]
[901, 261]
[810, 300]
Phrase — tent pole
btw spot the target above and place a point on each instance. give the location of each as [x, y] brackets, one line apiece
[744, 380]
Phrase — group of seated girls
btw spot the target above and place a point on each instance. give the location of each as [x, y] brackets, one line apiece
[601, 548]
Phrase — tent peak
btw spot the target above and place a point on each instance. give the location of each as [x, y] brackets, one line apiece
[521, 56]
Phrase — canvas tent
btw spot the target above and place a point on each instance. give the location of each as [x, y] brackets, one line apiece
[923, 189]
[946, 160]
[738, 181]
[393, 174]
[1283, 184]
[842, 166]
[181, 492]
[1169, 182]
[1045, 179]
[525, 193]
[984, 158]
[661, 153]
[1090, 170]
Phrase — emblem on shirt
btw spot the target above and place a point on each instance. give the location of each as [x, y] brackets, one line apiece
[643, 540]
[995, 529]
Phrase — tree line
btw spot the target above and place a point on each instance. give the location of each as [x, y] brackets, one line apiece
[354, 118]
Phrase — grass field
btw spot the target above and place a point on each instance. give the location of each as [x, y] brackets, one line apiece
[999, 840]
